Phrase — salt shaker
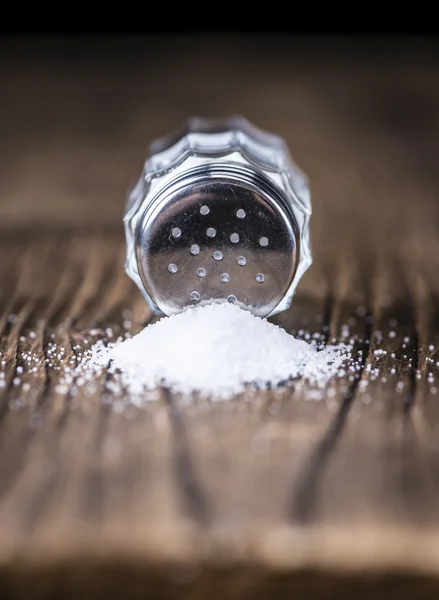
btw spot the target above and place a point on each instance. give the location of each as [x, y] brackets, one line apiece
[220, 213]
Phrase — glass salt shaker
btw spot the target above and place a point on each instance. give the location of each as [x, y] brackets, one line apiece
[220, 213]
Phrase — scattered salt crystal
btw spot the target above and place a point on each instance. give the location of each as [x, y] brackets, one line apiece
[217, 350]
[61, 389]
[345, 331]
[361, 311]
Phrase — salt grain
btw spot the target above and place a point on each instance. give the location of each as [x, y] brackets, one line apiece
[361, 311]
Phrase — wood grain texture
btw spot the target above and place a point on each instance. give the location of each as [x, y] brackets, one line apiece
[270, 493]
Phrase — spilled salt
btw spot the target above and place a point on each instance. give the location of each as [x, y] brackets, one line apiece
[215, 350]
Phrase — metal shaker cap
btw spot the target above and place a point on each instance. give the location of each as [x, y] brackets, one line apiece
[220, 212]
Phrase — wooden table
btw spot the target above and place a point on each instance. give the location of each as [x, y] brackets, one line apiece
[269, 493]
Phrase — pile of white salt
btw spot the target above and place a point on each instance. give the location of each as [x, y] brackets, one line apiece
[215, 350]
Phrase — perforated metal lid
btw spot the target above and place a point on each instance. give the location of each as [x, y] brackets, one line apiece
[213, 221]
